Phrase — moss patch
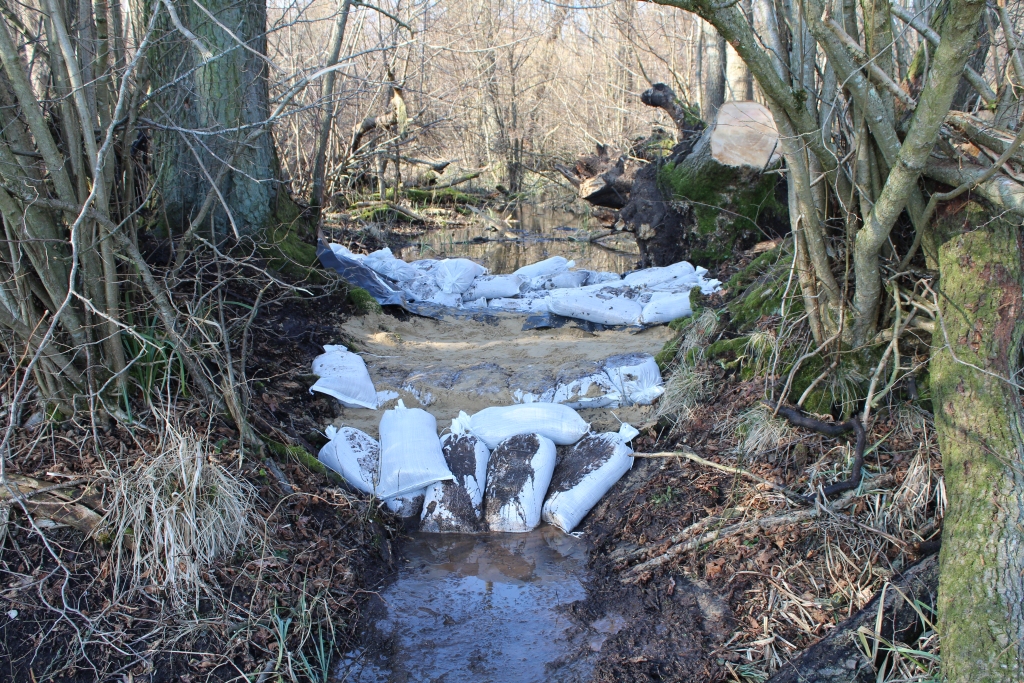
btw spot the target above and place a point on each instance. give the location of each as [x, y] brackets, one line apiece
[448, 195]
[729, 205]
[362, 301]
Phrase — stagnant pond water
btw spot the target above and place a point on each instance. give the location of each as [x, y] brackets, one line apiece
[486, 608]
[536, 233]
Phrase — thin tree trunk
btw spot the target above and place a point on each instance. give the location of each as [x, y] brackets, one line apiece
[337, 38]
[712, 87]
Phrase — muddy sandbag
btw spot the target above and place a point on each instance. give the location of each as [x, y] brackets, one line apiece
[494, 287]
[344, 376]
[584, 472]
[636, 377]
[600, 277]
[605, 306]
[653, 276]
[568, 279]
[385, 263]
[531, 303]
[456, 275]
[550, 266]
[410, 452]
[518, 473]
[354, 455]
[664, 307]
[408, 506]
[586, 386]
[561, 424]
[456, 506]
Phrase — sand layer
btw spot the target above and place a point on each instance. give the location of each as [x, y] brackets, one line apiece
[452, 365]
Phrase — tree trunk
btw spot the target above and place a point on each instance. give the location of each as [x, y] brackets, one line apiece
[710, 197]
[978, 419]
[226, 94]
[712, 86]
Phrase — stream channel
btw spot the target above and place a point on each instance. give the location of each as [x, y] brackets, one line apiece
[491, 607]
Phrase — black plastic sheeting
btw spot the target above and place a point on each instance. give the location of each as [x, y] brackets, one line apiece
[387, 293]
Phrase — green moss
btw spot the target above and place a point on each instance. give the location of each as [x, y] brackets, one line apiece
[448, 195]
[667, 354]
[287, 251]
[727, 349]
[754, 269]
[727, 203]
[285, 453]
[362, 301]
[760, 300]
[808, 372]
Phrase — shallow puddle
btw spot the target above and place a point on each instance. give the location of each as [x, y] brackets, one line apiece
[486, 608]
[536, 233]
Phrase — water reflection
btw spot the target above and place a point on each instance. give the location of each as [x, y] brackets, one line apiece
[537, 232]
[482, 608]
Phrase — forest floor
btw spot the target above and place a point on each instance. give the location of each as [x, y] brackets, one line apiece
[732, 608]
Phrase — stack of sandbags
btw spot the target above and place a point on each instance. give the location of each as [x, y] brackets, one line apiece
[644, 297]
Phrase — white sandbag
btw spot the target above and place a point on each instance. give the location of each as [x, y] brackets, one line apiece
[599, 277]
[567, 279]
[425, 265]
[589, 388]
[583, 474]
[597, 307]
[453, 300]
[636, 377]
[421, 288]
[525, 304]
[555, 264]
[457, 506]
[410, 452]
[652, 276]
[342, 251]
[665, 307]
[385, 263]
[518, 474]
[408, 506]
[344, 376]
[494, 287]
[710, 286]
[354, 455]
[456, 275]
[559, 423]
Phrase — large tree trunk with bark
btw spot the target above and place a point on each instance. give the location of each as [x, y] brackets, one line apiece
[978, 416]
[222, 99]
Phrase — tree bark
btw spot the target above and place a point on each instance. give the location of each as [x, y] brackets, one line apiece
[978, 419]
[220, 100]
[712, 86]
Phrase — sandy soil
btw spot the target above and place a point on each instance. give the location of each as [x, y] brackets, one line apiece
[452, 365]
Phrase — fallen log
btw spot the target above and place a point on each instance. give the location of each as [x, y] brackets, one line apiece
[891, 615]
[59, 503]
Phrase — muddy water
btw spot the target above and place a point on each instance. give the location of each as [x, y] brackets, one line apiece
[486, 608]
[535, 233]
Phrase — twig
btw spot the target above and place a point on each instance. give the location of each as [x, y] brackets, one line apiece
[690, 455]
[282, 481]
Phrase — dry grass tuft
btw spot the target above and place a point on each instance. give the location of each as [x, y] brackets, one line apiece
[687, 388]
[173, 515]
[759, 431]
